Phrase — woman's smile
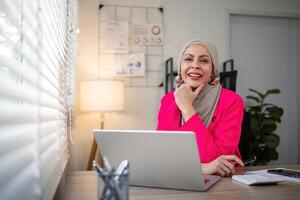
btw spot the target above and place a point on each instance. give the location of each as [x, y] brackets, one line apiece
[196, 66]
[194, 75]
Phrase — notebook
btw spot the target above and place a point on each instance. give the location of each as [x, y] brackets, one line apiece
[257, 179]
[164, 159]
[284, 173]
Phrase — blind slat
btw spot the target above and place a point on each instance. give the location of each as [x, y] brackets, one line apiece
[13, 113]
[15, 90]
[15, 161]
[55, 127]
[25, 133]
[36, 77]
[9, 7]
[12, 66]
[14, 188]
[46, 84]
[12, 89]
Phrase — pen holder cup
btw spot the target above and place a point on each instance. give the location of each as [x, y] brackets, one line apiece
[113, 186]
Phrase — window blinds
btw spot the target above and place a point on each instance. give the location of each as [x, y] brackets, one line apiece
[36, 85]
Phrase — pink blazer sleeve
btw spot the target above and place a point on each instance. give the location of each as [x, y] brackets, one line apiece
[169, 115]
[221, 138]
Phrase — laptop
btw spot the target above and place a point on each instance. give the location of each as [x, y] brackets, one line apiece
[164, 159]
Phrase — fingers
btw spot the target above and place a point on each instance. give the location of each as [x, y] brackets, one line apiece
[229, 168]
[221, 172]
[234, 158]
[182, 90]
[197, 91]
[225, 167]
[182, 85]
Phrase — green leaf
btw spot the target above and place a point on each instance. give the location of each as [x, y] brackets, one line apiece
[272, 91]
[253, 98]
[269, 128]
[255, 108]
[262, 157]
[268, 104]
[272, 140]
[276, 111]
[269, 121]
[273, 154]
[257, 92]
[254, 124]
[265, 155]
[276, 118]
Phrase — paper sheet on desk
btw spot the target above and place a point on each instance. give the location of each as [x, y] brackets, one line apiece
[264, 172]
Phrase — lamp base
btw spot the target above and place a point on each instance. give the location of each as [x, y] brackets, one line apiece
[94, 149]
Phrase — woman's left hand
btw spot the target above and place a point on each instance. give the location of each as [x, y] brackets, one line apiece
[224, 165]
[184, 98]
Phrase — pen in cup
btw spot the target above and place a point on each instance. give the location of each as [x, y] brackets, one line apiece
[109, 182]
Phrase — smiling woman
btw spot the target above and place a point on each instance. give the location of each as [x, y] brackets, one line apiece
[201, 105]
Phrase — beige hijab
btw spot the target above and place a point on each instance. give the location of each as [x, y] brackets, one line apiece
[207, 100]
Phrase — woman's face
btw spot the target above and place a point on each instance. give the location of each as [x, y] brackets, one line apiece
[196, 66]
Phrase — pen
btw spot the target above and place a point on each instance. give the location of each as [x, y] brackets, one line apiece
[106, 164]
[123, 165]
[249, 161]
[98, 168]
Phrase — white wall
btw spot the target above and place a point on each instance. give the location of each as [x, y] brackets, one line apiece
[183, 20]
[208, 20]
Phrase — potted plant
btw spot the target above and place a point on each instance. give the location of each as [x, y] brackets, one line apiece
[264, 120]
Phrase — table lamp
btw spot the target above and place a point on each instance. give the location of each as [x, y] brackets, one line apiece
[101, 96]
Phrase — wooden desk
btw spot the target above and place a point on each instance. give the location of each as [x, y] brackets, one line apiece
[82, 185]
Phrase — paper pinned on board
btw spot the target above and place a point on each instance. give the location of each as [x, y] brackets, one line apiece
[147, 34]
[116, 37]
[133, 66]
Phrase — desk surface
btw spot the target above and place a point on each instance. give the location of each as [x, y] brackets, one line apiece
[83, 185]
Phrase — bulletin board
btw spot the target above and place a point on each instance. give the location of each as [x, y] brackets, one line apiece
[131, 42]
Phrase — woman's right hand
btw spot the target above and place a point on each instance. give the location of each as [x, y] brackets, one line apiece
[184, 98]
[224, 165]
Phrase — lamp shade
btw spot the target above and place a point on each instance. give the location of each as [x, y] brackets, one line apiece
[101, 96]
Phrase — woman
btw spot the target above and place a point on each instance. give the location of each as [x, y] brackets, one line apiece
[201, 105]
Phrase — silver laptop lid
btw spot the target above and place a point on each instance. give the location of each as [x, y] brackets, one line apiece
[166, 159]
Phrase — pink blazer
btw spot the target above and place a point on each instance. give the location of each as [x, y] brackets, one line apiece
[223, 135]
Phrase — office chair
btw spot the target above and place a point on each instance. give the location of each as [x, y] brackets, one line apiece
[228, 78]
[245, 139]
[228, 81]
[170, 75]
